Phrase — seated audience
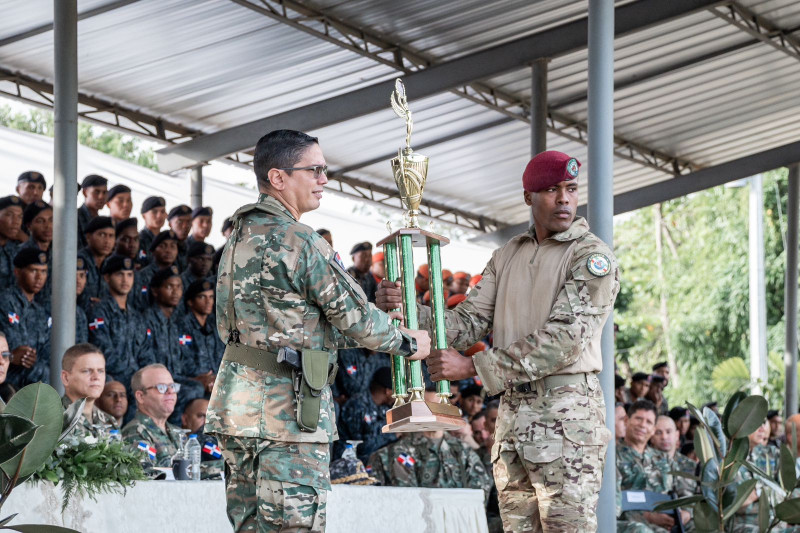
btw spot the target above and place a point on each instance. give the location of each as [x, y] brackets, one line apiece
[655, 394]
[431, 459]
[6, 390]
[322, 232]
[37, 219]
[378, 268]
[460, 284]
[31, 186]
[25, 322]
[776, 435]
[81, 322]
[127, 243]
[640, 384]
[163, 254]
[154, 213]
[100, 238]
[95, 191]
[114, 401]
[362, 262]
[10, 225]
[666, 440]
[620, 421]
[356, 367]
[200, 257]
[119, 203]
[83, 373]
[662, 369]
[681, 417]
[180, 222]
[201, 225]
[472, 400]
[202, 349]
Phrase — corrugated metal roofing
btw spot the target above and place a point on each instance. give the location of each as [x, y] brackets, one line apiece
[214, 64]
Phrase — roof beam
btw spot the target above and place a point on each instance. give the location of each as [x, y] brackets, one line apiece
[676, 187]
[759, 27]
[44, 28]
[452, 74]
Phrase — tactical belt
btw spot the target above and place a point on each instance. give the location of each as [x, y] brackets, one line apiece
[258, 359]
[551, 382]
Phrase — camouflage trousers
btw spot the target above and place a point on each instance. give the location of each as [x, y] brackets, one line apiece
[548, 457]
[275, 486]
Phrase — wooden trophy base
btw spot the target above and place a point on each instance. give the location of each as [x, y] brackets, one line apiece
[419, 415]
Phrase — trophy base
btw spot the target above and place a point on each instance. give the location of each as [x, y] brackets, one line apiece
[423, 416]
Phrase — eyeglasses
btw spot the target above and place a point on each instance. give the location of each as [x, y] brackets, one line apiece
[162, 387]
[318, 169]
[5, 355]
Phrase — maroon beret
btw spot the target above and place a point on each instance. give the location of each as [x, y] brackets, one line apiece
[548, 168]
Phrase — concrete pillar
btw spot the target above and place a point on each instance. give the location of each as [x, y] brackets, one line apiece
[790, 291]
[758, 299]
[538, 106]
[601, 209]
[196, 199]
[65, 190]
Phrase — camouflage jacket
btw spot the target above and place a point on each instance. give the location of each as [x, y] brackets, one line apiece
[642, 471]
[7, 253]
[25, 324]
[281, 284]
[765, 458]
[202, 348]
[361, 419]
[684, 486]
[142, 429]
[121, 336]
[418, 461]
[91, 427]
[575, 280]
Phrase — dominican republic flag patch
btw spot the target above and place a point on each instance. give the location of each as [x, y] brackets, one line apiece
[185, 340]
[212, 449]
[368, 419]
[351, 370]
[149, 450]
[406, 460]
[97, 323]
[338, 260]
[144, 290]
[149, 333]
[142, 254]
[13, 318]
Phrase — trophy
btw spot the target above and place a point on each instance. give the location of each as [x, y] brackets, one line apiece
[410, 411]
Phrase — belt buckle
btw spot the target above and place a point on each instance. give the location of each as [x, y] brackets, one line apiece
[524, 388]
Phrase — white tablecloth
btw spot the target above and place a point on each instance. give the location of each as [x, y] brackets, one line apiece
[179, 506]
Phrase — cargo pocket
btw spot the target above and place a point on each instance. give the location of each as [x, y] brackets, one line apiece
[504, 457]
[584, 453]
[544, 462]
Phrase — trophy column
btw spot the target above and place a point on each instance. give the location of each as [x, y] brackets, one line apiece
[438, 308]
[398, 362]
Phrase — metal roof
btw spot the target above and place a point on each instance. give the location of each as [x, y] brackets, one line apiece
[699, 88]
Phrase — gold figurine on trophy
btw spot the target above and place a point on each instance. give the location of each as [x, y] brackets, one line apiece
[411, 412]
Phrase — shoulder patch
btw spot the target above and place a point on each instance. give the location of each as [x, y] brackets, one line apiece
[598, 264]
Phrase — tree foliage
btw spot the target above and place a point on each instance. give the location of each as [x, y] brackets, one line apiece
[706, 282]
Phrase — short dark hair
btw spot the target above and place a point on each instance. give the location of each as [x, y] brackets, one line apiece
[643, 405]
[279, 149]
[75, 352]
[322, 232]
[493, 404]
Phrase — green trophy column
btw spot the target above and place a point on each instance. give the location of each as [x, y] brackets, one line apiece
[437, 305]
[410, 309]
[399, 384]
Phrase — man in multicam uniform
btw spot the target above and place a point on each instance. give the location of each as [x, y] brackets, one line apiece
[282, 285]
[641, 467]
[666, 440]
[546, 295]
[83, 375]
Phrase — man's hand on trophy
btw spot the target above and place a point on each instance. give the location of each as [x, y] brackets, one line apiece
[389, 296]
[451, 365]
[423, 339]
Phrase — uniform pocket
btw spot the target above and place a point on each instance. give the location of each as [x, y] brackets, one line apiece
[544, 461]
[584, 448]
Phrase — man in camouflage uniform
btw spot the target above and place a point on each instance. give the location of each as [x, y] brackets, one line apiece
[282, 285]
[433, 459]
[640, 467]
[364, 415]
[83, 375]
[545, 295]
[666, 439]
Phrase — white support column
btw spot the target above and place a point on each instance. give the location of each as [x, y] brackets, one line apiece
[196, 199]
[758, 302]
[790, 291]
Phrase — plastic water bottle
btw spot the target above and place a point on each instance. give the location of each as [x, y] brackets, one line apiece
[193, 453]
[114, 436]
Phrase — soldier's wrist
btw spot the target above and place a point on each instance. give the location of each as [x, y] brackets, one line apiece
[409, 345]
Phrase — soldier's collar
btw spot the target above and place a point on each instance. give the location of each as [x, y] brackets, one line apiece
[578, 228]
[271, 200]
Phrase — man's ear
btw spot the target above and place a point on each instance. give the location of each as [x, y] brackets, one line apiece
[528, 196]
[276, 179]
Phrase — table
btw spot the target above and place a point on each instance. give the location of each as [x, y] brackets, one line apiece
[179, 506]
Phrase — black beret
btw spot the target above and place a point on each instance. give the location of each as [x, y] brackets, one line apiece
[10, 201]
[30, 256]
[199, 248]
[98, 223]
[202, 212]
[360, 247]
[179, 211]
[687, 448]
[115, 263]
[163, 275]
[201, 285]
[639, 376]
[115, 190]
[127, 223]
[33, 210]
[657, 379]
[619, 381]
[93, 180]
[31, 176]
[166, 235]
[151, 202]
[382, 377]
[228, 223]
[676, 413]
[80, 263]
[662, 364]
[472, 390]
[772, 413]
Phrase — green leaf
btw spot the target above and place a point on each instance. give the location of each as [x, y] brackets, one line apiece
[40, 528]
[747, 416]
[709, 481]
[764, 512]
[742, 493]
[787, 472]
[2, 406]
[687, 475]
[734, 400]
[7, 519]
[737, 454]
[715, 428]
[703, 445]
[764, 478]
[669, 505]
[15, 433]
[41, 404]
[71, 417]
[697, 414]
[705, 517]
[789, 511]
